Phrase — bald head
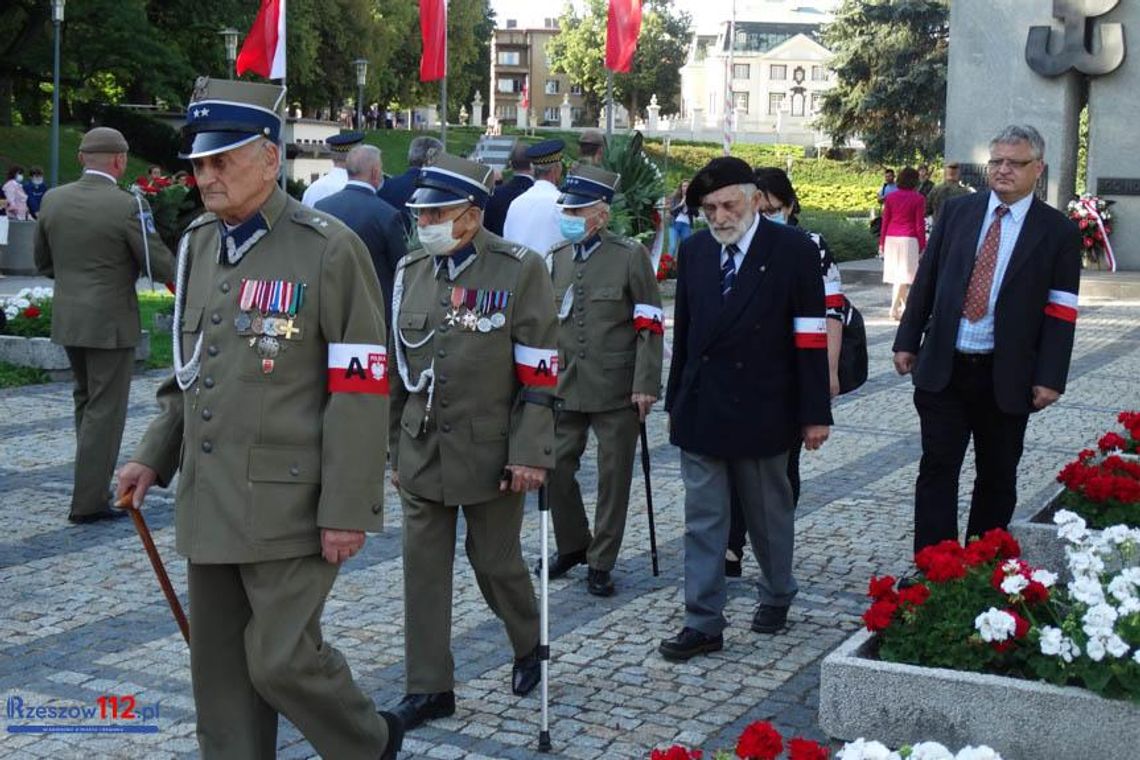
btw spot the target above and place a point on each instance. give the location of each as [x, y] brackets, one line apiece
[364, 165]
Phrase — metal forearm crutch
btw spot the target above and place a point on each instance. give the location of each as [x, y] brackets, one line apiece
[649, 499]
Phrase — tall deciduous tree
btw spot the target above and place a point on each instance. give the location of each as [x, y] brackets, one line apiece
[890, 65]
[578, 50]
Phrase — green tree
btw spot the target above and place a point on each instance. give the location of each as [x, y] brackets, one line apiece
[578, 50]
[890, 65]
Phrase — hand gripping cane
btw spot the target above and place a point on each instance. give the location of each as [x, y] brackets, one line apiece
[127, 502]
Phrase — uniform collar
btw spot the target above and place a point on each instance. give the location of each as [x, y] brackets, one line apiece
[583, 250]
[457, 261]
[360, 185]
[237, 241]
[95, 173]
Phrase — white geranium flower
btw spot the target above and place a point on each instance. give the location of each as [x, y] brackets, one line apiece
[1044, 577]
[24, 293]
[1051, 640]
[1129, 606]
[1087, 590]
[1116, 646]
[1014, 584]
[977, 753]
[22, 303]
[1121, 587]
[11, 312]
[1136, 656]
[861, 749]
[930, 751]
[1095, 649]
[995, 625]
[1116, 534]
[1099, 617]
[1070, 526]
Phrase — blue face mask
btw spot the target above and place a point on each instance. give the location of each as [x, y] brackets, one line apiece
[777, 216]
[573, 228]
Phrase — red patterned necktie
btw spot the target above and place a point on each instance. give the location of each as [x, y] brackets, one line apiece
[982, 279]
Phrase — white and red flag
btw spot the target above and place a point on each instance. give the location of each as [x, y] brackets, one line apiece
[263, 51]
[536, 366]
[623, 25]
[433, 30]
[358, 368]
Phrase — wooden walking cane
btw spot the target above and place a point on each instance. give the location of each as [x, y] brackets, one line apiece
[126, 502]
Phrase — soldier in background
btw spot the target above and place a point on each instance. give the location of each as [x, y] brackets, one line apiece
[274, 417]
[950, 187]
[592, 146]
[337, 178]
[610, 343]
[95, 241]
[532, 219]
[472, 424]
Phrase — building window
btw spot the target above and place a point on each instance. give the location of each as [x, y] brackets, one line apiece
[816, 102]
[740, 101]
[778, 72]
[818, 74]
[577, 115]
[740, 71]
[798, 102]
[505, 111]
[550, 23]
[508, 58]
[552, 86]
[509, 85]
[512, 23]
[550, 113]
[575, 89]
[775, 101]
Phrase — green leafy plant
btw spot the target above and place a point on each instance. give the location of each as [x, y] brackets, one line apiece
[634, 210]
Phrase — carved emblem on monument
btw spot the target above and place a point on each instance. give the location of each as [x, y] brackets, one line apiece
[1082, 36]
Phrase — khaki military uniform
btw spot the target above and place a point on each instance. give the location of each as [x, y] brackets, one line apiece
[610, 343]
[475, 331]
[274, 441]
[90, 240]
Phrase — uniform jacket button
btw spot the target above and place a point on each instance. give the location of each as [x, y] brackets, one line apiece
[444, 402]
[207, 415]
[705, 358]
[207, 446]
[446, 427]
[546, 449]
[581, 323]
[216, 318]
[208, 382]
[225, 287]
[376, 508]
[444, 302]
[581, 354]
[294, 470]
[442, 353]
[212, 350]
[581, 338]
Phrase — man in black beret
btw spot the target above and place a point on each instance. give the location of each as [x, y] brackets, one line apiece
[749, 374]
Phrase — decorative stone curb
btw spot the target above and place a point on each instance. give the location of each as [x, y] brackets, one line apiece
[1023, 720]
[43, 354]
[1037, 536]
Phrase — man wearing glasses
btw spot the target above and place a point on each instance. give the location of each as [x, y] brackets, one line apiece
[987, 336]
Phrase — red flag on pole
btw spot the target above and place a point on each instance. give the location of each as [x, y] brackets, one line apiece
[622, 28]
[433, 29]
[263, 51]
[524, 101]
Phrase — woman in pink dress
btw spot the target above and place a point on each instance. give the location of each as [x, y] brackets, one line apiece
[902, 237]
[14, 194]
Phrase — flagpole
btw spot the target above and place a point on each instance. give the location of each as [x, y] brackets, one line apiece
[443, 84]
[284, 96]
[728, 100]
[609, 103]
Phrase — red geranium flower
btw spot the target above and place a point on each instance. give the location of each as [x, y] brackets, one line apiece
[32, 312]
[878, 616]
[942, 562]
[759, 741]
[1035, 593]
[914, 595]
[806, 749]
[1111, 441]
[676, 752]
[881, 588]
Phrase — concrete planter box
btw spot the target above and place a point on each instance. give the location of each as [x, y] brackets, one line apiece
[1037, 536]
[900, 704]
[18, 255]
[43, 354]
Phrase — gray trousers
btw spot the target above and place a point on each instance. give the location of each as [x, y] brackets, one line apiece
[766, 498]
[101, 392]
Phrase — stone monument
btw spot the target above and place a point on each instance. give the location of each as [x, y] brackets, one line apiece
[565, 115]
[653, 115]
[477, 110]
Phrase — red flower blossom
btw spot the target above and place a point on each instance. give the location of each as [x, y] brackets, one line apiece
[915, 595]
[1111, 441]
[1035, 593]
[806, 749]
[759, 741]
[1007, 546]
[878, 616]
[32, 312]
[882, 588]
[942, 562]
[1086, 455]
[676, 752]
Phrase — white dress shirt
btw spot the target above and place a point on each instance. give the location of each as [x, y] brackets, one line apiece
[333, 182]
[533, 219]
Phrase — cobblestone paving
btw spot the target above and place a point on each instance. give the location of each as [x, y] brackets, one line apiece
[81, 616]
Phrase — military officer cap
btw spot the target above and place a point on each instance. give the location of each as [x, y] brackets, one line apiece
[545, 152]
[722, 171]
[225, 114]
[452, 180]
[344, 142]
[586, 185]
[103, 140]
[592, 137]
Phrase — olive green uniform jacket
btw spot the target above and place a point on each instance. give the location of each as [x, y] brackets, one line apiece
[269, 458]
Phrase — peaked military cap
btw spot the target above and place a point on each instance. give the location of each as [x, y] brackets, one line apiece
[225, 114]
[545, 152]
[452, 180]
[344, 142]
[592, 137]
[103, 140]
[722, 171]
[586, 185]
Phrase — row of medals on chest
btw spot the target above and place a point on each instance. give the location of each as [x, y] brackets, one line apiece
[268, 315]
[477, 309]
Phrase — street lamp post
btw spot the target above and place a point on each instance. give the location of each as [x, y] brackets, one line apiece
[56, 22]
[229, 35]
[361, 65]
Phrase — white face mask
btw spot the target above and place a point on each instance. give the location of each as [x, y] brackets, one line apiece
[437, 238]
[19, 177]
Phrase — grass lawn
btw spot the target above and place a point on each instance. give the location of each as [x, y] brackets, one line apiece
[31, 146]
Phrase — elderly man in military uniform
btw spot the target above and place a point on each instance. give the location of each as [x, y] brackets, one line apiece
[532, 219]
[592, 146]
[337, 178]
[610, 339]
[95, 240]
[274, 417]
[472, 423]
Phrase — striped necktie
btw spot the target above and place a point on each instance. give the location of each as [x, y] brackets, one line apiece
[728, 269]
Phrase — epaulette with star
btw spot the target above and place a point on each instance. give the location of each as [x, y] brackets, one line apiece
[316, 221]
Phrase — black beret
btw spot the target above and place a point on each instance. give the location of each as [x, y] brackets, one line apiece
[722, 171]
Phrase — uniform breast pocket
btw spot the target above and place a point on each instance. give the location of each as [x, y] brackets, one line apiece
[191, 324]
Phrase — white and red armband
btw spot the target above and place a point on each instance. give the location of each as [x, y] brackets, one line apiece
[647, 317]
[832, 294]
[536, 367]
[811, 332]
[1062, 305]
[358, 368]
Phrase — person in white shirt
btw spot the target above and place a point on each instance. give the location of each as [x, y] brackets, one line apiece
[533, 218]
[335, 180]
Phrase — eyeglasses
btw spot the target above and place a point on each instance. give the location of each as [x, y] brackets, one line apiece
[1010, 163]
[437, 214]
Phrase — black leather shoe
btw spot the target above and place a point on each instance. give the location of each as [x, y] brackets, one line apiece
[733, 564]
[688, 644]
[600, 583]
[526, 673]
[102, 514]
[560, 564]
[414, 709]
[395, 734]
[769, 618]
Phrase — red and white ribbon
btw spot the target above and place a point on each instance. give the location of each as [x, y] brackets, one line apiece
[358, 368]
[811, 332]
[648, 317]
[1089, 205]
[1062, 305]
[536, 366]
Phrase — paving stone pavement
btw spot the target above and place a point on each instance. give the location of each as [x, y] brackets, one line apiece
[81, 616]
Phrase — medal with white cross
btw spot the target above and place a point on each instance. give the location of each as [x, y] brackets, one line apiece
[452, 318]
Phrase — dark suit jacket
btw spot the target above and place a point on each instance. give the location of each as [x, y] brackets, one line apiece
[378, 225]
[1033, 330]
[495, 215]
[738, 384]
[397, 190]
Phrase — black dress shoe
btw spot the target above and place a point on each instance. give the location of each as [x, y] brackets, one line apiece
[414, 709]
[688, 644]
[526, 673]
[395, 734]
[599, 582]
[560, 564]
[769, 618]
[102, 514]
